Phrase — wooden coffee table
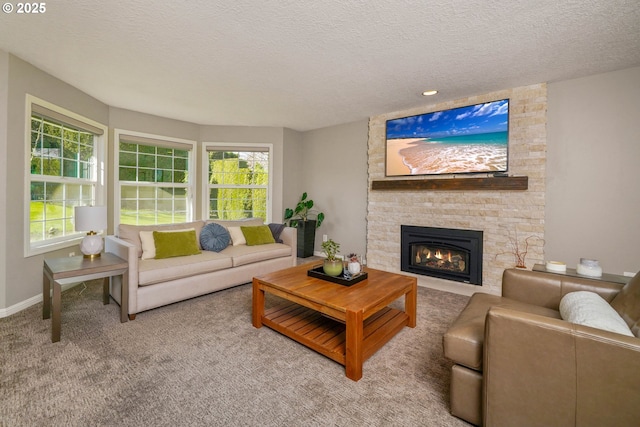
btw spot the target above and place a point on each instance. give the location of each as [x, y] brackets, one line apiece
[347, 324]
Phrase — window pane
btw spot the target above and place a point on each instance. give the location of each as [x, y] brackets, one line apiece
[85, 170]
[70, 168]
[36, 165]
[164, 176]
[51, 167]
[127, 146]
[146, 192]
[127, 174]
[53, 192]
[146, 149]
[180, 177]
[165, 162]
[127, 159]
[74, 192]
[180, 164]
[146, 175]
[146, 161]
[128, 192]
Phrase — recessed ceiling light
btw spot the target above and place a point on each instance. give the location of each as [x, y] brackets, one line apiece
[429, 92]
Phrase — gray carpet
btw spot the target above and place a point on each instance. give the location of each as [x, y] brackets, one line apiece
[201, 362]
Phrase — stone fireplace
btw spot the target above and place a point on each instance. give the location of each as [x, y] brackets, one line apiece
[499, 214]
[445, 253]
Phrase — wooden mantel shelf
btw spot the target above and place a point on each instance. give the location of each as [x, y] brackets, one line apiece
[454, 184]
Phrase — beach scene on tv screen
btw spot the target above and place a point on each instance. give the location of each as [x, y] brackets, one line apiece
[470, 139]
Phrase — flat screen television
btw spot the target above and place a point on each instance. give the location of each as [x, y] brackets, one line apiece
[471, 139]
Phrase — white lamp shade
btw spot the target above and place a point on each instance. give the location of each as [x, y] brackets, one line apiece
[90, 218]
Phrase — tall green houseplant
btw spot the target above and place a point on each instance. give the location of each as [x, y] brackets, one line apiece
[299, 218]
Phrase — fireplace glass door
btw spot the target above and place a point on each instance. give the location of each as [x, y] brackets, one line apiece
[438, 256]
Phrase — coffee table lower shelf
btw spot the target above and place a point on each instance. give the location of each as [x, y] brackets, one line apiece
[327, 336]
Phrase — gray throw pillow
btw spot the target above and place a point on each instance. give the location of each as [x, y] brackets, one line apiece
[276, 230]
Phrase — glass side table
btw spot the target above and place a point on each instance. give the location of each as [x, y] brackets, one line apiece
[68, 270]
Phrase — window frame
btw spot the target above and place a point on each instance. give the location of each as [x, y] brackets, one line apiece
[234, 146]
[159, 141]
[99, 182]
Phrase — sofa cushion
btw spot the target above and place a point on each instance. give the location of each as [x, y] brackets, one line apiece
[257, 235]
[214, 237]
[627, 304]
[175, 243]
[237, 237]
[131, 233]
[152, 271]
[244, 254]
[463, 342]
[148, 245]
[590, 309]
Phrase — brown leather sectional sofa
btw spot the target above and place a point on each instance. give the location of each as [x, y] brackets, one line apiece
[517, 363]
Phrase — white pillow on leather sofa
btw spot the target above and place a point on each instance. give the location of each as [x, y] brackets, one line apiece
[590, 309]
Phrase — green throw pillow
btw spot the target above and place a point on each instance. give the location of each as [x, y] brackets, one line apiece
[258, 235]
[175, 243]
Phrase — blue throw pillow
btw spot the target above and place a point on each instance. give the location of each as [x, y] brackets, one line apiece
[214, 237]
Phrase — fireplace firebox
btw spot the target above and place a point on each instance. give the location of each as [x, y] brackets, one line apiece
[445, 253]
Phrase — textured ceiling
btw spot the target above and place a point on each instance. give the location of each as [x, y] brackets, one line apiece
[306, 64]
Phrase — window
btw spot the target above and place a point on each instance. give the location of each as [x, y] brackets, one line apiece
[154, 183]
[64, 155]
[238, 180]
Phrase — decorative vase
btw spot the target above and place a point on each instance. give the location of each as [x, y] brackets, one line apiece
[354, 267]
[306, 237]
[332, 267]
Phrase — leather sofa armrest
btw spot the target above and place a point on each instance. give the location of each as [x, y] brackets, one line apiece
[543, 371]
[547, 289]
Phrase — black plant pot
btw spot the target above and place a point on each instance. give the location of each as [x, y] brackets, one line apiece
[306, 238]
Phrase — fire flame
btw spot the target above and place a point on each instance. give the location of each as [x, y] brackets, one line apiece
[440, 255]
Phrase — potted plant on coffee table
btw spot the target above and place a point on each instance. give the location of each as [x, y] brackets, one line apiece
[299, 217]
[331, 265]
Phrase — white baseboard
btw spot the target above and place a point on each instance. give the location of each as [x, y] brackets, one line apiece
[23, 305]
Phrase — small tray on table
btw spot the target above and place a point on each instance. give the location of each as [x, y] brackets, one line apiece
[343, 280]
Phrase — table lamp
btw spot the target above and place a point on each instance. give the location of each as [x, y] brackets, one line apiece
[91, 219]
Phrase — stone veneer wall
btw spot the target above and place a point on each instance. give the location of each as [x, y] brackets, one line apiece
[499, 214]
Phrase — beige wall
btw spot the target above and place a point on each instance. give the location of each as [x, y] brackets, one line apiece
[593, 197]
[292, 185]
[334, 173]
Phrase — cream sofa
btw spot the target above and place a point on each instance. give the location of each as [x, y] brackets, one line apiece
[157, 282]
